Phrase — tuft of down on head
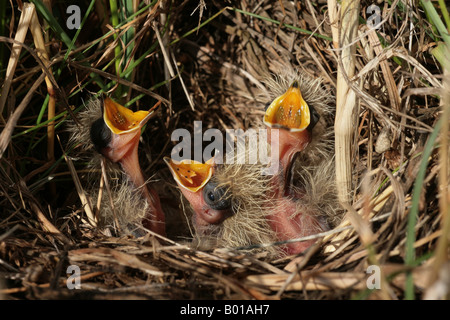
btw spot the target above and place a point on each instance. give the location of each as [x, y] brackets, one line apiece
[313, 178]
[314, 168]
[83, 148]
[248, 188]
[312, 89]
[317, 97]
[314, 195]
[123, 207]
[80, 138]
[80, 134]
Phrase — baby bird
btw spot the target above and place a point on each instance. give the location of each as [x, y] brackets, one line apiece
[237, 204]
[114, 131]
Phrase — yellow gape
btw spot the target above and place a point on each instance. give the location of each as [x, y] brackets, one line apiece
[121, 120]
[191, 175]
[288, 111]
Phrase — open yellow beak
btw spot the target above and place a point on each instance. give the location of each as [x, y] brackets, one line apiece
[289, 111]
[121, 120]
[189, 174]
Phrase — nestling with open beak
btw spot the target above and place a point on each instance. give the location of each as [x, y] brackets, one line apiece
[115, 135]
[229, 202]
[294, 120]
[234, 205]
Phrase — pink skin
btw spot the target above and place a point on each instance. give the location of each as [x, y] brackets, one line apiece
[289, 224]
[288, 144]
[285, 219]
[124, 149]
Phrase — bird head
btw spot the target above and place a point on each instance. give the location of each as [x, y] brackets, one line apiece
[235, 205]
[116, 136]
[210, 201]
[293, 119]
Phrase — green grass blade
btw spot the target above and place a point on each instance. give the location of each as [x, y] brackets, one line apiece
[283, 24]
[108, 34]
[129, 34]
[199, 26]
[413, 212]
[72, 44]
[436, 20]
[445, 14]
[115, 23]
[60, 33]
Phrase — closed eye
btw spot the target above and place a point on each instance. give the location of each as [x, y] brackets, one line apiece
[100, 134]
[315, 117]
[216, 196]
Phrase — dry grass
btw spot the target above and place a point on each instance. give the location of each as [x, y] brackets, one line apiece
[221, 58]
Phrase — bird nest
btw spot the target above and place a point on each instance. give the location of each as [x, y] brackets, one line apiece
[204, 61]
